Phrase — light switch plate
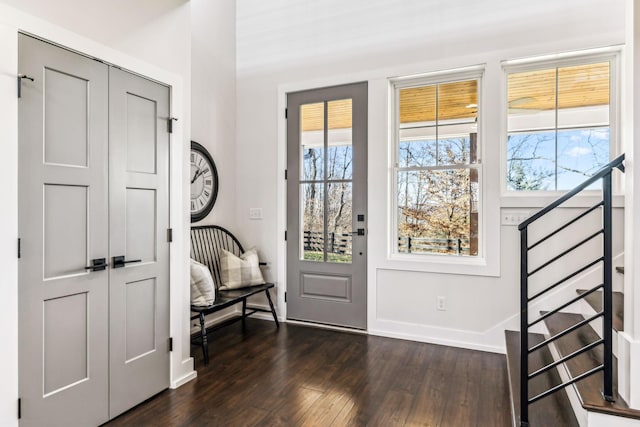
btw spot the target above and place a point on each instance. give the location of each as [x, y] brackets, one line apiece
[255, 213]
[513, 217]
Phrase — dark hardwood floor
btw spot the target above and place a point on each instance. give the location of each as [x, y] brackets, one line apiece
[304, 376]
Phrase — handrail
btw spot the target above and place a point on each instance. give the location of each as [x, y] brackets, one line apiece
[615, 163]
[606, 367]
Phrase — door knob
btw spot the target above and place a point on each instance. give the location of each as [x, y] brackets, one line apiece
[97, 264]
[119, 262]
[359, 232]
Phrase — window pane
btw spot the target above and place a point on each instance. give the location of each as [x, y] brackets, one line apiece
[583, 95]
[435, 211]
[531, 161]
[453, 151]
[312, 142]
[417, 153]
[417, 106]
[457, 113]
[339, 151]
[339, 218]
[457, 101]
[312, 232]
[532, 100]
[581, 152]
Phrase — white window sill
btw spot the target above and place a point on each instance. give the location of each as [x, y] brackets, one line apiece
[444, 264]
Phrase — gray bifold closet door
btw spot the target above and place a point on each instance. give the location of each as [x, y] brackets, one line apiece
[93, 184]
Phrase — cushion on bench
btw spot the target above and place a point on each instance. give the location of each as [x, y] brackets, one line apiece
[240, 272]
[203, 290]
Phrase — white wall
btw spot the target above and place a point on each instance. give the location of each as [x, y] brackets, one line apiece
[213, 106]
[299, 44]
[150, 37]
[213, 96]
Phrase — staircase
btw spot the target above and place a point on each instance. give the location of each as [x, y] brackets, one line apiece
[562, 367]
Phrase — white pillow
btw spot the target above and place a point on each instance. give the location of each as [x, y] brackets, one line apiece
[240, 272]
[203, 291]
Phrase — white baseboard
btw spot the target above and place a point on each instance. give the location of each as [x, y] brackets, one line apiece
[191, 375]
[490, 341]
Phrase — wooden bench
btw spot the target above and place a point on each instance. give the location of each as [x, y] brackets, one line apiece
[207, 241]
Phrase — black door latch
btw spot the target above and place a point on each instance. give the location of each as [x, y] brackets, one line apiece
[97, 264]
[119, 262]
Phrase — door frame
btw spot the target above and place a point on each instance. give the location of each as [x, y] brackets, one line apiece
[281, 193]
[11, 23]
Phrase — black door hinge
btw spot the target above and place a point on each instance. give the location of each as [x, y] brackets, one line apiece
[19, 248]
[286, 113]
[285, 174]
[285, 235]
[285, 297]
[170, 121]
[19, 408]
[170, 343]
[169, 235]
[20, 77]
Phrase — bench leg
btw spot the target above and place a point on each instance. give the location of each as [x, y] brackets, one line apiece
[244, 311]
[273, 310]
[205, 343]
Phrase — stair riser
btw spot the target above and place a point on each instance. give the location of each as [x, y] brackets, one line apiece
[597, 419]
[588, 311]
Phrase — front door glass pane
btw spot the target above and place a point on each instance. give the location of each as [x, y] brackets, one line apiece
[312, 142]
[313, 231]
[339, 180]
[339, 220]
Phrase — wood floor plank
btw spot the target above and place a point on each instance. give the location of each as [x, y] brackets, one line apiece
[300, 375]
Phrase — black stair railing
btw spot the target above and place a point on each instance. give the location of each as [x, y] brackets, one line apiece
[605, 205]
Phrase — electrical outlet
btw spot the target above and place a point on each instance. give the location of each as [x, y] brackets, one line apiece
[509, 217]
[441, 304]
[255, 213]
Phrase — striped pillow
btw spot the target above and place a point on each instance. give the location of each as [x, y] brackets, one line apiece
[239, 272]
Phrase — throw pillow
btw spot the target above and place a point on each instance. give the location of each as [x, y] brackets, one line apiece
[240, 272]
[203, 291]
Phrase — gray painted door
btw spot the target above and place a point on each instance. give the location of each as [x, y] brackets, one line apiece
[93, 166]
[63, 225]
[139, 219]
[326, 205]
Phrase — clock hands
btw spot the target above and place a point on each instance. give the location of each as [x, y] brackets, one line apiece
[198, 173]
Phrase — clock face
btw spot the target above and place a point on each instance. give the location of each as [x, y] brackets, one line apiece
[204, 182]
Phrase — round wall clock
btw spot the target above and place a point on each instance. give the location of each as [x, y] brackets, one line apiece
[204, 182]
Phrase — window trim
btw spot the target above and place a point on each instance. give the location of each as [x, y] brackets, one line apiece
[608, 54]
[443, 263]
